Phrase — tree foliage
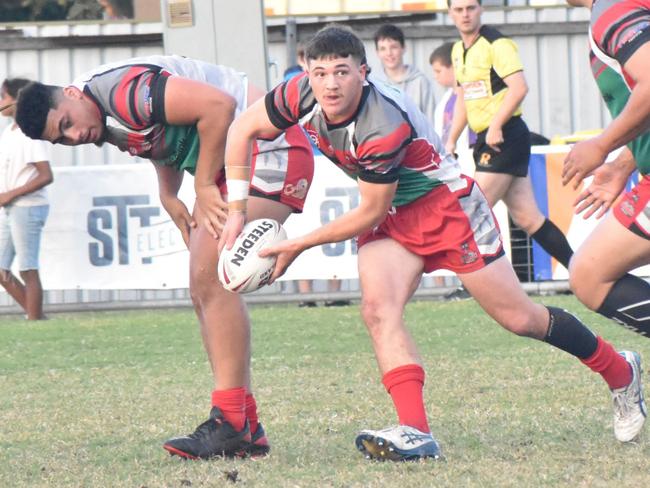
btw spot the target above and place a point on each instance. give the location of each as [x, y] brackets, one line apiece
[44, 10]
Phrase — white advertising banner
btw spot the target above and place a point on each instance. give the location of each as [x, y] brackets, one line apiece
[107, 229]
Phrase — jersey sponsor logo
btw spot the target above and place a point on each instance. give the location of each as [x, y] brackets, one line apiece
[313, 136]
[142, 148]
[630, 36]
[475, 90]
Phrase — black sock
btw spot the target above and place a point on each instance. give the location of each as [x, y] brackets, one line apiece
[628, 302]
[550, 237]
[566, 332]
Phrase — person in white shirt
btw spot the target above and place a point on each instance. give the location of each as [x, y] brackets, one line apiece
[24, 173]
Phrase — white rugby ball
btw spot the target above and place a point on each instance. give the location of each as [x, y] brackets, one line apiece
[240, 268]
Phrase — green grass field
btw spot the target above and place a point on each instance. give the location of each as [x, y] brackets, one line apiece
[87, 400]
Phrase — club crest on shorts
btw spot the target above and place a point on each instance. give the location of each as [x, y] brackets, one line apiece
[485, 159]
[299, 190]
[467, 255]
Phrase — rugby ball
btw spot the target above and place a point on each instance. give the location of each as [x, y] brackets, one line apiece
[240, 268]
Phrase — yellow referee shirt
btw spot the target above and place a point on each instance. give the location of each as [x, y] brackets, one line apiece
[480, 70]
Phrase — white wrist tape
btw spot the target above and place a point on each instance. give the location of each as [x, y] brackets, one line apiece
[237, 189]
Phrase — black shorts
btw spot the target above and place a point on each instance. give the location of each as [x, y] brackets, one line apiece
[514, 156]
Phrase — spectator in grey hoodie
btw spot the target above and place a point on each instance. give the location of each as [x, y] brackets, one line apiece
[389, 43]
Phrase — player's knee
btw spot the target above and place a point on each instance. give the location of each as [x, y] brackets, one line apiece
[582, 282]
[369, 311]
[527, 225]
[372, 312]
[523, 324]
[201, 285]
[528, 221]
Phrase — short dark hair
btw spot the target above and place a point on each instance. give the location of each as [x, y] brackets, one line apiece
[13, 85]
[389, 31]
[335, 40]
[34, 103]
[449, 2]
[442, 54]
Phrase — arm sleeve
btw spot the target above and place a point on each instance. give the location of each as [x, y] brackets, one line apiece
[622, 41]
[369, 176]
[138, 98]
[285, 103]
[456, 61]
[505, 57]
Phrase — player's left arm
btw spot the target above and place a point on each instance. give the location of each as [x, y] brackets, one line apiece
[190, 102]
[376, 199]
[515, 94]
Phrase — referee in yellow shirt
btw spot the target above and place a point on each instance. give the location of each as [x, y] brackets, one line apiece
[491, 87]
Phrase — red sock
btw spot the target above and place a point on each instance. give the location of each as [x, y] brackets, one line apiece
[251, 412]
[611, 365]
[404, 384]
[231, 403]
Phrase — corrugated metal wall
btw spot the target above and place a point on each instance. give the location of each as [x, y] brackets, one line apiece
[552, 41]
[563, 97]
[59, 62]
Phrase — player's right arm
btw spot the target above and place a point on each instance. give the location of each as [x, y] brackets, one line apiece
[169, 182]
[458, 121]
[212, 110]
[633, 120]
[635, 117]
[374, 203]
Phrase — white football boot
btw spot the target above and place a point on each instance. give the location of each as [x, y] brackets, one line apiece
[629, 407]
[399, 443]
